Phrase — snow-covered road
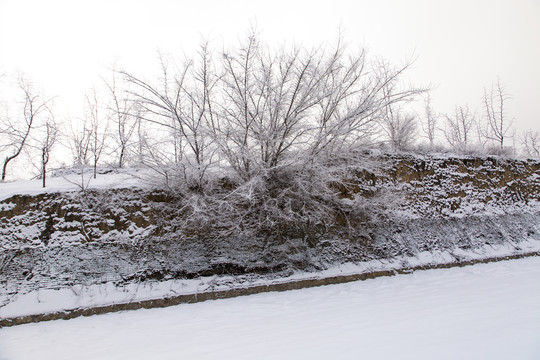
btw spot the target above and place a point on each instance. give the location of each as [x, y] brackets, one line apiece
[486, 311]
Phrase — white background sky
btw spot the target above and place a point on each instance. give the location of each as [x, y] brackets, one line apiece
[461, 46]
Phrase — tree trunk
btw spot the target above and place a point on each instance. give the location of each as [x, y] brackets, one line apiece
[121, 158]
[6, 161]
[4, 169]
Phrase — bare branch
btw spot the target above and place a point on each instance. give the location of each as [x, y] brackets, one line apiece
[497, 124]
[458, 127]
[19, 129]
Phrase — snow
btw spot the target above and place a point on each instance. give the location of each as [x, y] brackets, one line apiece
[43, 300]
[73, 181]
[485, 311]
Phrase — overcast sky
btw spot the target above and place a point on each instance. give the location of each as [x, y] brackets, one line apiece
[460, 46]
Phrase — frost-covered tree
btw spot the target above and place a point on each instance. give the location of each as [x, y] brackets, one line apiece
[530, 140]
[498, 125]
[79, 142]
[266, 135]
[123, 118]
[182, 104]
[398, 126]
[291, 105]
[458, 127]
[429, 125]
[97, 131]
[256, 109]
[16, 129]
[400, 129]
[47, 139]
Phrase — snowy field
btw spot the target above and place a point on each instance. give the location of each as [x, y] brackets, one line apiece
[72, 181]
[486, 311]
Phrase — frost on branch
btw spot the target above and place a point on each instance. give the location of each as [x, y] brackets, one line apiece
[259, 139]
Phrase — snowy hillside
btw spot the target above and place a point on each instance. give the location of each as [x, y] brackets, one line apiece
[121, 235]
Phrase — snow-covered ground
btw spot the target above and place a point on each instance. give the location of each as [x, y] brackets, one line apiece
[73, 180]
[486, 311]
[80, 296]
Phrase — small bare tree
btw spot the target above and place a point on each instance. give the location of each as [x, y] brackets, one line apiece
[497, 124]
[530, 141]
[98, 129]
[124, 116]
[182, 103]
[459, 126]
[18, 130]
[79, 142]
[400, 129]
[142, 136]
[429, 126]
[48, 140]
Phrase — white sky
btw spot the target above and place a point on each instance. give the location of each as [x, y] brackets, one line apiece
[461, 46]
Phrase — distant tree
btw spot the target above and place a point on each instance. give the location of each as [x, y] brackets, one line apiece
[530, 140]
[181, 103]
[98, 130]
[124, 117]
[79, 142]
[400, 128]
[142, 136]
[429, 125]
[497, 125]
[17, 130]
[49, 137]
[458, 127]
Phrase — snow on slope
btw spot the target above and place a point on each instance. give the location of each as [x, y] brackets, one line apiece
[73, 181]
[486, 311]
[81, 296]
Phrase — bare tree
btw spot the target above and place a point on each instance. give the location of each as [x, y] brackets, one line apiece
[182, 104]
[429, 126]
[80, 143]
[282, 127]
[497, 124]
[259, 110]
[124, 117]
[50, 136]
[98, 129]
[293, 105]
[400, 129]
[459, 126]
[142, 136]
[18, 130]
[531, 143]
